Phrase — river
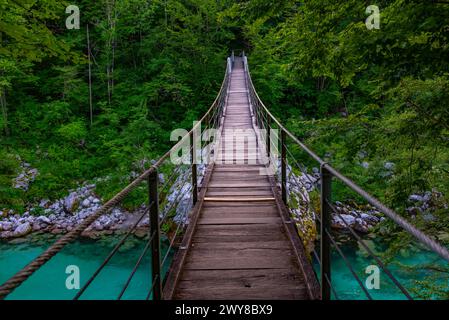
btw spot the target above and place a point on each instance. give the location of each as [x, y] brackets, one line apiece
[49, 281]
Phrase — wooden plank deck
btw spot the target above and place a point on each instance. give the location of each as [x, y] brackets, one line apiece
[239, 246]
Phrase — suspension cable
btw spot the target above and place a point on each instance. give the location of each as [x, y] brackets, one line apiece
[22, 275]
[112, 253]
[371, 253]
[418, 234]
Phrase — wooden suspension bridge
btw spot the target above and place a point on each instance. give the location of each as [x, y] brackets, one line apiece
[241, 243]
[239, 240]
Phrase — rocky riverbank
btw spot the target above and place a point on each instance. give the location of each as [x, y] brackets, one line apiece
[361, 218]
[63, 215]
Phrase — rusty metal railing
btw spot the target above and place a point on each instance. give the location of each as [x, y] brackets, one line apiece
[265, 120]
[159, 210]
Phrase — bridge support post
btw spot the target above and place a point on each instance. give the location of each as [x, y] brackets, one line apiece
[326, 188]
[268, 137]
[284, 166]
[155, 233]
[194, 168]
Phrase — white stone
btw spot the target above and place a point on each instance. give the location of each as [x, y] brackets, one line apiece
[22, 229]
[86, 203]
[70, 201]
[43, 219]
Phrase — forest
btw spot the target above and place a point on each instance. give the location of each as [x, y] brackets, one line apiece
[79, 104]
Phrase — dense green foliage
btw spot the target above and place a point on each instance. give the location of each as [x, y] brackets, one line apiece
[354, 95]
[156, 66]
[374, 103]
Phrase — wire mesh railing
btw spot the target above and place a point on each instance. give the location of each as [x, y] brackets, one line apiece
[169, 203]
[288, 164]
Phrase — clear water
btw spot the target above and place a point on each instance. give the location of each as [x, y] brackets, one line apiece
[49, 281]
[414, 269]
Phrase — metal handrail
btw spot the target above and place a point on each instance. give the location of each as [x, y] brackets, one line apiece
[327, 172]
[210, 118]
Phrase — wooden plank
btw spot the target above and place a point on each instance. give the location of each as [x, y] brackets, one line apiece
[239, 220]
[239, 210]
[197, 261]
[211, 193]
[233, 214]
[238, 199]
[206, 253]
[237, 189]
[238, 184]
[269, 293]
[313, 287]
[210, 238]
[250, 207]
[179, 259]
[257, 278]
[278, 244]
[241, 247]
[239, 230]
[245, 178]
[238, 168]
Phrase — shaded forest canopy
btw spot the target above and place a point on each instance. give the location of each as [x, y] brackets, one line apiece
[360, 98]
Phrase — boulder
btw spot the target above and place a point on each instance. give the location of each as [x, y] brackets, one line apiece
[37, 226]
[86, 203]
[71, 202]
[361, 225]
[415, 198]
[23, 229]
[389, 166]
[429, 217]
[369, 218]
[43, 219]
[365, 164]
[6, 226]
[338, 221]
[44, 203]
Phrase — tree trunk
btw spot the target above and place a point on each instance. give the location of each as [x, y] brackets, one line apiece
[112, 16]
[4, 111]
[90, 76]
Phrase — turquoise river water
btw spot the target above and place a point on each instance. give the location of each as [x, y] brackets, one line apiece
[49, 281]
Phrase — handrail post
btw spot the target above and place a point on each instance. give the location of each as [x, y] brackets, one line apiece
[194, 169]
[283, 166]
[326, 189]
[155, 233]
[268, 135]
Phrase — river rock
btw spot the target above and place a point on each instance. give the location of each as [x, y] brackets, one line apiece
[23, 229]
[86, 203]
[369, 218]
[5, 226]
[389, 166]
[71, 202]
[415, 198]
[43, 219]
[98, 226]
[37, 226]
[339, 221]
[26, 177]
[365, 164]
